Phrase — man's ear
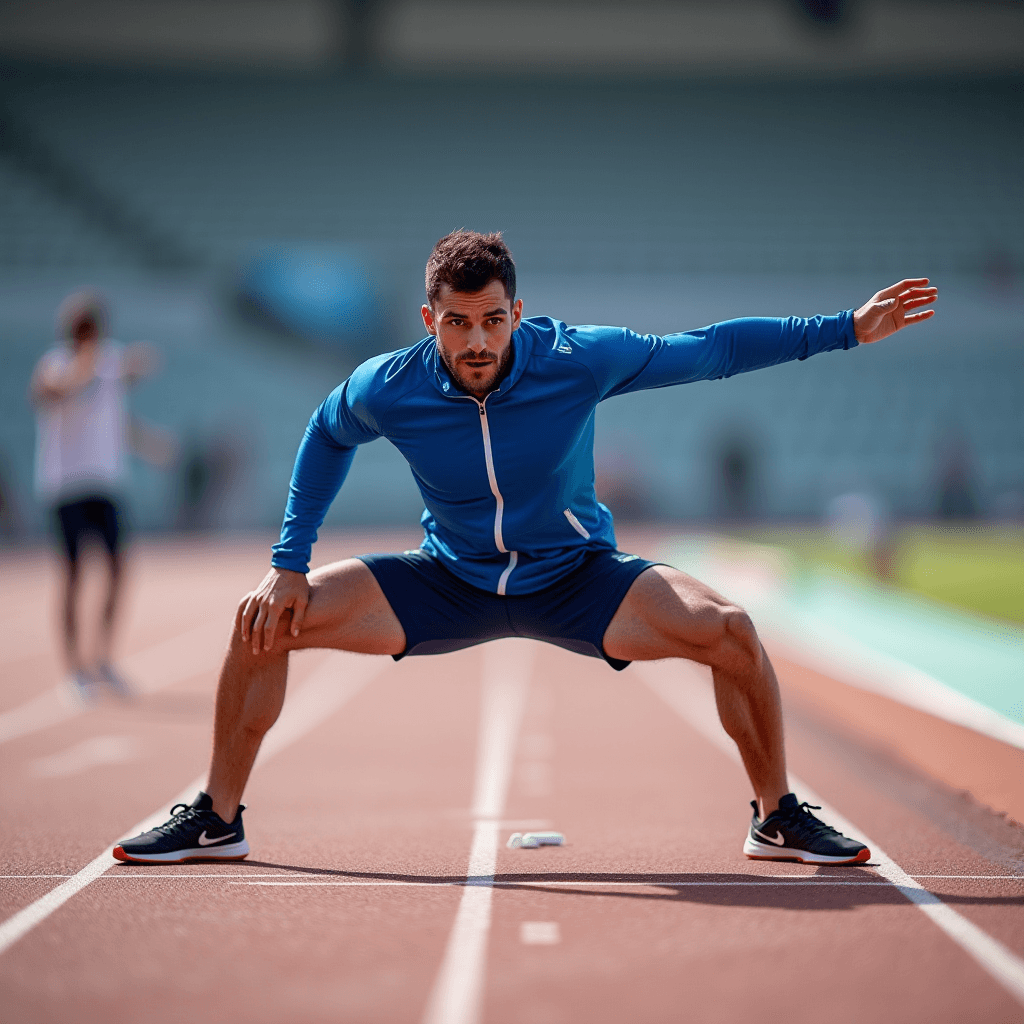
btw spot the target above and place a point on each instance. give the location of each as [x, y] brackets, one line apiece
[517, 314]
[428, 319]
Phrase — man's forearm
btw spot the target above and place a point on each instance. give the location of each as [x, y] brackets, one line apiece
[320, 469]
[754, 343]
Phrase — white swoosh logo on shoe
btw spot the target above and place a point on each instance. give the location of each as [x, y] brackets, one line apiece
[778, 839]
[203, 841]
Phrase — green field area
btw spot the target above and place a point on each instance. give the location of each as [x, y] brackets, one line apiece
[979, 569]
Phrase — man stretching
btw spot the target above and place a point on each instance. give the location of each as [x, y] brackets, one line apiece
[495, 415]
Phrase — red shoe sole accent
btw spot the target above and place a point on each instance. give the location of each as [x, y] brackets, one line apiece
[864, 855]
[125, 858]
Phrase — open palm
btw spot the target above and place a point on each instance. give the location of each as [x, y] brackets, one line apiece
[888, 311]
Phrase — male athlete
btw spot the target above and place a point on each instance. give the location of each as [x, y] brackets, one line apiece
[495, 415]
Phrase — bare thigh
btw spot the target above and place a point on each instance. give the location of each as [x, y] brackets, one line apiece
[347, 611]
[668, 614]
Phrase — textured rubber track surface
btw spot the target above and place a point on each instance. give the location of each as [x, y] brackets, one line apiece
[361, 831]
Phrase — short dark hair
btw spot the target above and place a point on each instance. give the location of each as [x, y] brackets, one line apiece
[78, 308]
[467, 261]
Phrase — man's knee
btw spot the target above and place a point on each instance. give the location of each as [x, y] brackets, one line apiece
[738, 644]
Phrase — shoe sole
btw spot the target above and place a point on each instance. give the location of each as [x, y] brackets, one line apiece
[758, 851]
[234, 851]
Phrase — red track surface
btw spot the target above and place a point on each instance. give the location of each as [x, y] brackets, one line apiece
[380, 793]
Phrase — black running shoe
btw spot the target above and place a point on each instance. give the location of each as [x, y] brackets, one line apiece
[193, 832]
[793, 833]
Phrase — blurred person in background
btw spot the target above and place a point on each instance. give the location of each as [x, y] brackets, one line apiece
[79, 389]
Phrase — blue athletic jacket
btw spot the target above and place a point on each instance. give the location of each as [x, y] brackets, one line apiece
[509, 482]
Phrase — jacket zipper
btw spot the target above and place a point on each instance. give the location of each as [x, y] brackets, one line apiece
[499, 542]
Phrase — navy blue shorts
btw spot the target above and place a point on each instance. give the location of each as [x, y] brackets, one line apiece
[74, 520]
[441, 613]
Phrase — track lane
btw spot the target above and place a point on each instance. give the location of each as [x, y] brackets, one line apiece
[928, 828]
[354, 801]
[640, 795]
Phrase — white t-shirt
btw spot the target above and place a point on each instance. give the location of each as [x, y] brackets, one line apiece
[81, 442]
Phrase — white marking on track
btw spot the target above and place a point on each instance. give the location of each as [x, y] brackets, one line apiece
[684, 686]
[245, 879]
[458, 988]
[322, 695]
[570, 883]
[90, 753]
[540, 933]
[833, 653]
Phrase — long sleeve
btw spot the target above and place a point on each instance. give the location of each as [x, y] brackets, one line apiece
[325, 455]
[623, 361]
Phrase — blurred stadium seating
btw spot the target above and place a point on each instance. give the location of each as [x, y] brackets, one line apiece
[660, 205]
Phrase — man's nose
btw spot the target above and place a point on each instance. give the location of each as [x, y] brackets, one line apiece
[477, 342]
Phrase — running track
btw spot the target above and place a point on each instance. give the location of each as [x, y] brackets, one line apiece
[379, 887]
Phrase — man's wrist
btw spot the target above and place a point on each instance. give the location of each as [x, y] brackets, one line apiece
[289, 565]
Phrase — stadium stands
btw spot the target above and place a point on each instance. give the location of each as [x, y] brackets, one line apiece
[797, 196]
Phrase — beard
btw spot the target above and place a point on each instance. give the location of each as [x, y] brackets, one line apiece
[478, 380]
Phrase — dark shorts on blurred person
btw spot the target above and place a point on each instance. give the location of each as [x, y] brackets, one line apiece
[441, 613]
[75, 520]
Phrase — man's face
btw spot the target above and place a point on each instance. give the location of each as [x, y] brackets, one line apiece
[474, 334]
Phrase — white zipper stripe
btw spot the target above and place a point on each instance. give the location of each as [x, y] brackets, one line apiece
[499, 542]
[492, 479]
[577, 525]
[513, 557]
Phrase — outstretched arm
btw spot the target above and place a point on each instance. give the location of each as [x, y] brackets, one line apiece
[888, 311]
[623, 361]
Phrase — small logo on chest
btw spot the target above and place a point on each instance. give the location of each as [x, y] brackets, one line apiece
[564, 347]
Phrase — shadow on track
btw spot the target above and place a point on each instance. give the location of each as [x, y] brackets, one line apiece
[833, 888]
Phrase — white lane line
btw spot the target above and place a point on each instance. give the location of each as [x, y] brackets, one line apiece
[336, 681]
[139, 876]
[570, 883]
[458, 988]
[834, 654]
[684, 686]
[754, 572]
[90, 753]
[149, 670]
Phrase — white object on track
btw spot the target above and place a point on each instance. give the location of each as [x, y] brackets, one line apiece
[531, 840]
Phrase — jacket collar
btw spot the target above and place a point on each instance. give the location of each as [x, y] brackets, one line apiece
[445, 383]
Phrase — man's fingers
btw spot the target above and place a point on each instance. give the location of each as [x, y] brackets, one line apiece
[247, 614]
[257, 628]
[298, 614]
[270, 626]
[902, 286]
[914, 303]
[919, 293]
[914, 318]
